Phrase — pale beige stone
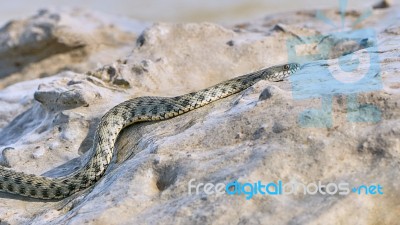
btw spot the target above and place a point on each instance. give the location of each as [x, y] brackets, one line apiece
[47, 123]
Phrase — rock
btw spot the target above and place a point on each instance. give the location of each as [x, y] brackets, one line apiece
[383, 4]
[306, 129]
[51, 42]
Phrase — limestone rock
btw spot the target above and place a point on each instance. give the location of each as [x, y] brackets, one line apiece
[260, 134]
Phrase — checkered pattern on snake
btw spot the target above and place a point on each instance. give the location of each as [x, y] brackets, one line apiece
[126, 113]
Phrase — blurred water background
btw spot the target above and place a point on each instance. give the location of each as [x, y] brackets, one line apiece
[222, 11]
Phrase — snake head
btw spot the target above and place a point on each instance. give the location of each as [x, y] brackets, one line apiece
[280, 72]
[290, 68]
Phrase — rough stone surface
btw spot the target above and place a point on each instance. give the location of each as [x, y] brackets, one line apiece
[52, 101]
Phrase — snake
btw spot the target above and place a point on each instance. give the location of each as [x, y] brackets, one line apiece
[140, 109]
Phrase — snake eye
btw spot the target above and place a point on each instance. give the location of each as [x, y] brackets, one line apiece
[286, 67]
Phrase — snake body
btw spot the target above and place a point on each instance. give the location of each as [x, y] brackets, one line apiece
[124, 114]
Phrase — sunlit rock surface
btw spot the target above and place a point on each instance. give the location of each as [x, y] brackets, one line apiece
[62, 70]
